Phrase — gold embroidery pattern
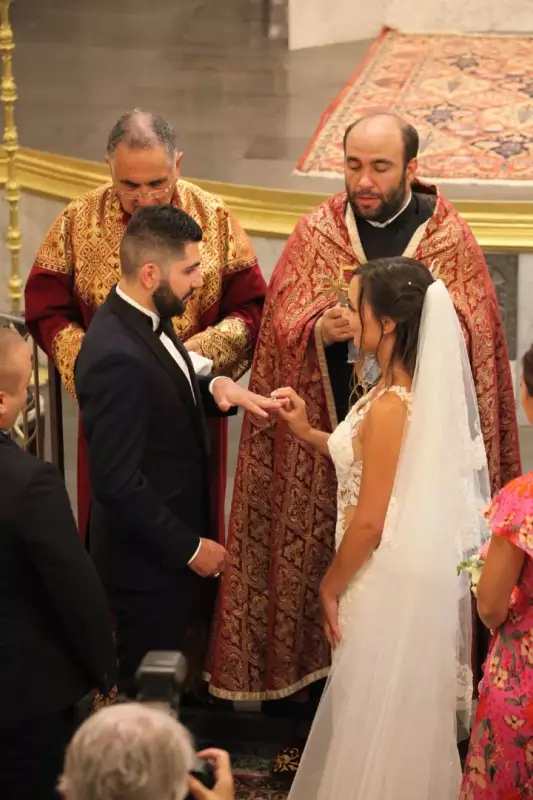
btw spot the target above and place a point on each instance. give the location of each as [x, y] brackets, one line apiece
[225, 249]
[267, 639]
[324, 375]
[65, 349]
[100, 700]
[287, 761]
[55, 252]
[229, 346]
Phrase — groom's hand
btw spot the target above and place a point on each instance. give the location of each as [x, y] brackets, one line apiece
[210, 560]
[227, 393]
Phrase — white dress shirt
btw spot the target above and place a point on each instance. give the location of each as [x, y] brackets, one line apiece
[202, 366]
[200, 363]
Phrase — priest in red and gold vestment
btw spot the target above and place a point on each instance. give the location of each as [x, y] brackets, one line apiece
[78, 264]
[267, 640]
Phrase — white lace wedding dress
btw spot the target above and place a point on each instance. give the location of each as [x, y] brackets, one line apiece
[349, 471]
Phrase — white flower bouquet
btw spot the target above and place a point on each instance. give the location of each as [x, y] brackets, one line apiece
[473, 566]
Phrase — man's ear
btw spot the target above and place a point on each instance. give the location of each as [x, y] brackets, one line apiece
[150, 275]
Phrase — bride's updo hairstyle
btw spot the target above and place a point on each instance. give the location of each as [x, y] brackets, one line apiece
[396, 288]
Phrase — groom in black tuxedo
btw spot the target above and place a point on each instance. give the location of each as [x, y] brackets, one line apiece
[143, 411]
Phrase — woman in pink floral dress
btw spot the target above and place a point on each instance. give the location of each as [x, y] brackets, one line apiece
[499, 765]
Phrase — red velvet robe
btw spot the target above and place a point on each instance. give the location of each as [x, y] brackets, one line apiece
[78, 264]
[267, 639]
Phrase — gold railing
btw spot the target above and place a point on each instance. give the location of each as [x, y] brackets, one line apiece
[29, 428]
[8, 97]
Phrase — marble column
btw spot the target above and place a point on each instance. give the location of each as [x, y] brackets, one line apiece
[313, 23]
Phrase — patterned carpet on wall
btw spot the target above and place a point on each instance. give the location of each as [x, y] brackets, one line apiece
[470, 97]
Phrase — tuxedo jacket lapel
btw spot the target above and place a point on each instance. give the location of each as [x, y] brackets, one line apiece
[135, 321]
[199, 417]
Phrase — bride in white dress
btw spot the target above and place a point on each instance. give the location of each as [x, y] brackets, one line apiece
[412, 483]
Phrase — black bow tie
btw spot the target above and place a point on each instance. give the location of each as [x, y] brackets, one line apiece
[165, 326]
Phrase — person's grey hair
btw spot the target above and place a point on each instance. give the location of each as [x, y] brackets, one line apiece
[128, 752]
[142, 130]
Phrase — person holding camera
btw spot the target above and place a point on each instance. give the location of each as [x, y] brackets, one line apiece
[137, 751]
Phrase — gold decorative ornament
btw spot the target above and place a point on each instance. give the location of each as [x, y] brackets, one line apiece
[340, 287]
[8, 96]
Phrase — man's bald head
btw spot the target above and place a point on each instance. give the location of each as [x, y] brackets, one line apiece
[386, 125]
[13, 361]
[15, 374]
[128, 751]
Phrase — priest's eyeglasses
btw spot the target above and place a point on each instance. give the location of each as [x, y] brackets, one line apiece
[134, 194]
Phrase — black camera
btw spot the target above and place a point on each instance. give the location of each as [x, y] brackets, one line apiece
[160, 678]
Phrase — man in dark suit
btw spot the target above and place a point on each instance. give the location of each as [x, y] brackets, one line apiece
[56, 643]
[143, 411]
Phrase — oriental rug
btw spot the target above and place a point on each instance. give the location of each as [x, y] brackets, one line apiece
[252, 740]
[470, 98]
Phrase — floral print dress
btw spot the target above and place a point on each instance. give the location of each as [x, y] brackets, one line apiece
[499, 765]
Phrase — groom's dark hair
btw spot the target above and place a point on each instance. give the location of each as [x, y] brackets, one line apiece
[154, 233]
[396, 288]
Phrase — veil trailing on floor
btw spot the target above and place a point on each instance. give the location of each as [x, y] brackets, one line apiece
[386, 725]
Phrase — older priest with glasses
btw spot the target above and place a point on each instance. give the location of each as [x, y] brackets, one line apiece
[78, 264]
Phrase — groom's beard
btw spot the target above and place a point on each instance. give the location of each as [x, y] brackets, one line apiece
[167, 303]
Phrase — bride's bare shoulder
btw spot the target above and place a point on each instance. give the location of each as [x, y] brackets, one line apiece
[389, 409]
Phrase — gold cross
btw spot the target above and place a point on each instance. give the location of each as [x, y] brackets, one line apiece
[340, 287]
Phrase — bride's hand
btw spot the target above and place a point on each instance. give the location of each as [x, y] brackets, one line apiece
[293, 411]
[329, 600]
